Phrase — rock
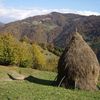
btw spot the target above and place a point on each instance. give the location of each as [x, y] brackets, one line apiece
[16, 76]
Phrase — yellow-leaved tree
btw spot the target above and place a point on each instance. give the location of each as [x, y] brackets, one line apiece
[39, 58]
[25, 55]
[14, 52]
[8, 49]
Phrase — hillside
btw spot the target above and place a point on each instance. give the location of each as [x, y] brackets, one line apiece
[24, 54]
[57, 29]
[1, 24]
[42, 29]
[37, 87]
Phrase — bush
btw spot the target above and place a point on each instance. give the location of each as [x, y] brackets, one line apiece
[55, 50]
[25, 55]
[8, 45]
[52, 64]
[39, 58]
[13, 52]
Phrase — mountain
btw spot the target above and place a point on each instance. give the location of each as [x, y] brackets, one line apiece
[41, 29]
[1, 24]
[57, 29]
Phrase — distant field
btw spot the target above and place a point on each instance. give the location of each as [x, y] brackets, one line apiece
[38, 87]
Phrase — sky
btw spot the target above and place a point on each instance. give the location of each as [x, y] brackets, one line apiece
[12, 10]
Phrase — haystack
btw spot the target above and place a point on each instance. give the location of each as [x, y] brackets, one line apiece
[78, 66]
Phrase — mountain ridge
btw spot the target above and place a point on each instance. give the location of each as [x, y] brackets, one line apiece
[56, 28]
[54, 20]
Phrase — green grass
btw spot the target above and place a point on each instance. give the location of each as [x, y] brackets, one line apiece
[40, 88]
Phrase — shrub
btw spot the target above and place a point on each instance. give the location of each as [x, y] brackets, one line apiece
[39, 58]
[8, 46]
[13, 52]
[25, 39]
[55, 50]
[52, 64]
[25, 55]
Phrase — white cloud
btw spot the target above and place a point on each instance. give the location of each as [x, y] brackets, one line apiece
[87, 13]
[12, 14]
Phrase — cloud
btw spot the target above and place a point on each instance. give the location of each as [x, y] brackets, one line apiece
[12, 14]
[87, 13]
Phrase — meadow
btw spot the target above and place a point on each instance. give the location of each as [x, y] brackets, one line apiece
[37, 86]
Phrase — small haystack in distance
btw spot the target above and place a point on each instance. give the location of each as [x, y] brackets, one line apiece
[78, 66]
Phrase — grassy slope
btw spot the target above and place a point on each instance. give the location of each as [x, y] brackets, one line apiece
[40, 89]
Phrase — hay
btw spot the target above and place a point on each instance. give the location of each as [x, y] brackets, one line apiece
[79, 65]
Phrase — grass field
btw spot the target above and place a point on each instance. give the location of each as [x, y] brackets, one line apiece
[37, 87]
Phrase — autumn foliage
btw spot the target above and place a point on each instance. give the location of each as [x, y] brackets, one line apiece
[23, 54]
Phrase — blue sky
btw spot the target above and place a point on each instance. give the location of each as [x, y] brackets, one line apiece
[11, 10]
[93, 5]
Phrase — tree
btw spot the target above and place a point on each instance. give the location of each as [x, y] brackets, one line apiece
[25, 39]
[8, 45]
[25, 55]
[14, 52]
[39, 58]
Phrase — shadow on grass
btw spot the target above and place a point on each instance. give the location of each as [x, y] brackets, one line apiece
[40, 81]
